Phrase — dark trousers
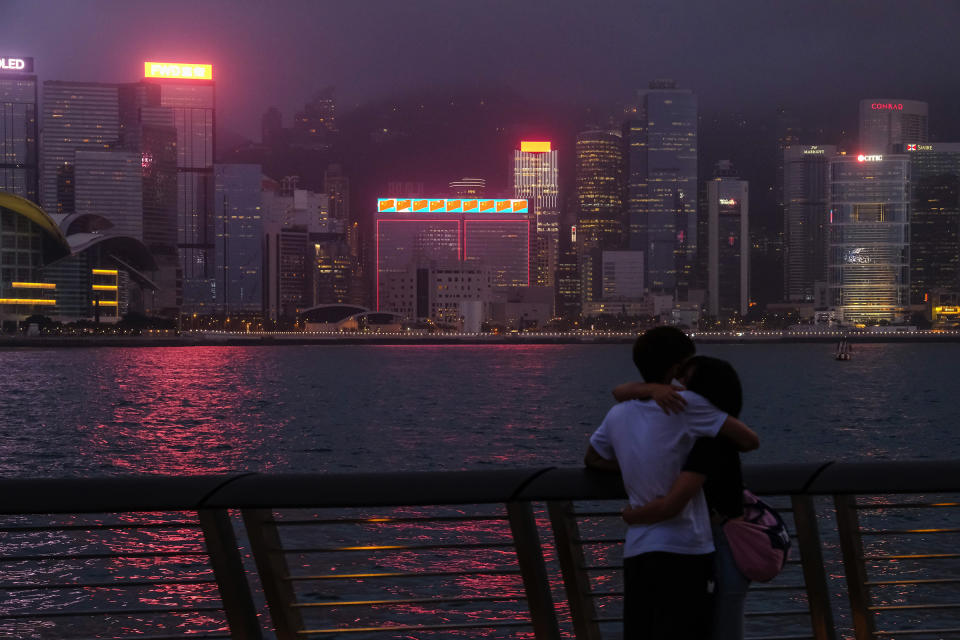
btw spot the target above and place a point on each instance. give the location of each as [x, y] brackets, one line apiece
[667, 596]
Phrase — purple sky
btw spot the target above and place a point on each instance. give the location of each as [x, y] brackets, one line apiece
[737, 55]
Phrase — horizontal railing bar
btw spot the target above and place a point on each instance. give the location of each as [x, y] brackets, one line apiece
[422, 627]
[926, 632]
[877, 583]
[907, 505]
[422, 574]
[582, 541]
[887, 532]
[101, 612]
[99, 527]
[100, 585]
[102, 556]
[904, 607]
[914, 556]
[388, 520]
[602, 514]
[192, 636]
[400, 547]
[399, 601]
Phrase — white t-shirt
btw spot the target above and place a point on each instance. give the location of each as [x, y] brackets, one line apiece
[651, 448]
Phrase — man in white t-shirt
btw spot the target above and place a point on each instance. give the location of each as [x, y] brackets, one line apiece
[667, 565]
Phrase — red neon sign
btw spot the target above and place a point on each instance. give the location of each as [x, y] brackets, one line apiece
[887, 106]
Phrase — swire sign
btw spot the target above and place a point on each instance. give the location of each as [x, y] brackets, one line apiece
[178, 70]
[450, 205]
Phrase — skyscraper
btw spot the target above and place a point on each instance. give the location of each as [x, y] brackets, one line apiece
[661, 207]
[188, 89]
[77, 116]
[468, 188]
[885, 122]
[535, 178]
[599, 179]
[934, 219]
[19, 160]
[728, 239]
[868, 264]
[239, 232]
[806, 189]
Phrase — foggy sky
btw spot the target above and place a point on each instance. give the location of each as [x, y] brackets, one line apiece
[742, 55]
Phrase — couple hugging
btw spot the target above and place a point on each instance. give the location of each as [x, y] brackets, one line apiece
[675, 438]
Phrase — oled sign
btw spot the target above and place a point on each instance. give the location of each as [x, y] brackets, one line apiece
[177, 71]
[16, 64]
[881, 106]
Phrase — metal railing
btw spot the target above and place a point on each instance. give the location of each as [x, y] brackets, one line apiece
[519, 553]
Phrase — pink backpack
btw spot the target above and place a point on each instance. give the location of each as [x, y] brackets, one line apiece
[760, 542]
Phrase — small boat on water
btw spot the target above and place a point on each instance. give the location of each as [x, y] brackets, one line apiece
[843, 350]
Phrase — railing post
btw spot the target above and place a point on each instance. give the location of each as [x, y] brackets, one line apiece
[526, 540]
[814, 574]
[267, 551]
[231, 577]
[848, 527]
[576, 580]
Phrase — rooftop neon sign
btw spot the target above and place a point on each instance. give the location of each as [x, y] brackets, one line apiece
[871, 158]
[16, 64]
[885, 106]
[178, 70]
[534, 146]
[450, 205]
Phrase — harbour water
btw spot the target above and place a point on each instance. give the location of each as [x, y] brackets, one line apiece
[349, 408]
[116, 411]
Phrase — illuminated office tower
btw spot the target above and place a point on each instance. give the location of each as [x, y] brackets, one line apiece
[868, 263]
[468, 188]
[599, 177]
[239, 233]
[535, 179]
[188, 90]
[501, 244]
[728, 243]
[661, 177]
[19, 160]
[885, 122]
[806, 192]
[77, 116]
[934, 219]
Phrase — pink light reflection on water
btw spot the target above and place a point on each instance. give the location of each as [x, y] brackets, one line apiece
[181, 411]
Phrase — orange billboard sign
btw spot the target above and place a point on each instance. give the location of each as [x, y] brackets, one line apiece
[178, 70]
[534, 146]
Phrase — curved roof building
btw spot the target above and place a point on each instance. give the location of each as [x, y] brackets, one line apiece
[29, 239]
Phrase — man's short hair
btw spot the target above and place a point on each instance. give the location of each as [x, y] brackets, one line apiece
[657, 350]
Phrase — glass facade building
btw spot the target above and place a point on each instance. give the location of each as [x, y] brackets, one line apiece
[599, 180]
[728, 246]
[110, 184]
[868, 262]
[19, 160]
[535, 178]
[805, 214]
[193, 106]
[77, 116]
[661, 184]
[934, 219]
[239, 238]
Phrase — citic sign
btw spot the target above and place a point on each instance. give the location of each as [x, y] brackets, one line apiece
[887, 106]
[869, 158]
[178, 71]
